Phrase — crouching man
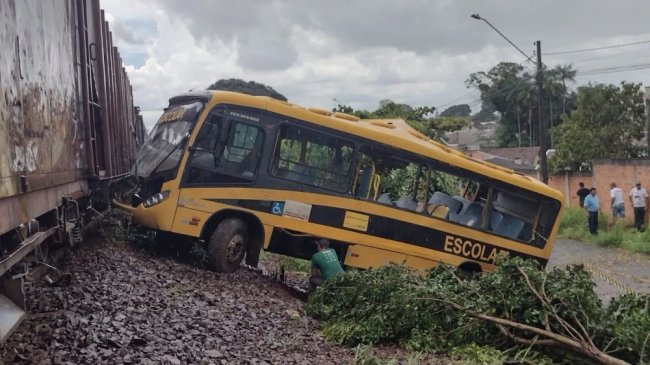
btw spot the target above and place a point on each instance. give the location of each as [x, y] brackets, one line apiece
[324, 264]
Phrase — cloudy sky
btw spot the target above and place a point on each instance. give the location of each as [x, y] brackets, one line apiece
[360, 52]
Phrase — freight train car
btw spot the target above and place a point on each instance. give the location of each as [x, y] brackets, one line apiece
[68, 128]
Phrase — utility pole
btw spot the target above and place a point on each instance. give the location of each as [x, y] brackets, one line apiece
[543, 166]
[646, 99]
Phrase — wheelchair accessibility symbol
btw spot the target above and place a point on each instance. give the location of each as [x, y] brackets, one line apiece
[277, 208]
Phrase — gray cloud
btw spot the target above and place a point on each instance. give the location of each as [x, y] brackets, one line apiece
[420, 26]
[412, 51]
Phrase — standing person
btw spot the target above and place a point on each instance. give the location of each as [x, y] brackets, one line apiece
[582, 193]
[324, 264]
[592, 206]
[639, 200]
[618, 203]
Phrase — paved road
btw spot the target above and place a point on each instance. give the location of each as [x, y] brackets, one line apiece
[614, 270]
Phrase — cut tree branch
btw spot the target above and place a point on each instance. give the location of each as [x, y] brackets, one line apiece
[548, 337]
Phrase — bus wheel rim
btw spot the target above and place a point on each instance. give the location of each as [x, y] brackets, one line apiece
[235, 248]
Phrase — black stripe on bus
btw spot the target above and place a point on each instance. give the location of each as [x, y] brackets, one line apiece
[388, 228]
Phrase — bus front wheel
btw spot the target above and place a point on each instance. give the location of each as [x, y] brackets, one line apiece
[228, 245]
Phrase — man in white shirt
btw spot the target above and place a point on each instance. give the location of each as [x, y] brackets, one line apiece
[639, 200]
[618, 203]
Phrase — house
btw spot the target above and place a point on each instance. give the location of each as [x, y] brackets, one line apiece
[521, 159]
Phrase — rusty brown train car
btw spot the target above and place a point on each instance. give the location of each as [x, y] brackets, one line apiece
[68, 126]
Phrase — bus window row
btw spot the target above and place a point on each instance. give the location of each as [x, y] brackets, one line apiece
[427, 189]
[228, 150]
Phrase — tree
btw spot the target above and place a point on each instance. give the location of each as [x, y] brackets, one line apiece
[246, 87]
[511, 91]
[553, 89]
[566, 73]
[502, 89]
[609, 122]
[521, 94]
[460, 110]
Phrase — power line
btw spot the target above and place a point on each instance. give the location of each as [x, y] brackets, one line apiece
[448, 103]
[595, 48]
[579, 62]
[609, 70]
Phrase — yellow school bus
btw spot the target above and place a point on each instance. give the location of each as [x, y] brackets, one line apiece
[244, 173]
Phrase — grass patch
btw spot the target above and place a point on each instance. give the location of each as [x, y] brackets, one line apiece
[574, 226]
[290, 264]
[293, 264]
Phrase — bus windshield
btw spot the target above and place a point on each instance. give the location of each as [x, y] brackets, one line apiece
[164, 146]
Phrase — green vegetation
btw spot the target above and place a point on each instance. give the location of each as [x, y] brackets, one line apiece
[296, 265]
[574, 226]
[510, 90]
[609, 122]
[520, 311]
[246, 87]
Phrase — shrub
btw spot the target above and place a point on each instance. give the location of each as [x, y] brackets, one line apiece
[443, 311]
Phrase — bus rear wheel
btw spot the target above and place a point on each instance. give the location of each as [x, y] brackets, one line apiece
[227, 245]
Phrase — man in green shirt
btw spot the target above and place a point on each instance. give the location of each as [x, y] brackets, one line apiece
[324, 264]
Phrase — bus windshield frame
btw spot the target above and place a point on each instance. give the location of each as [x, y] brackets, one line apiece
[162, 151]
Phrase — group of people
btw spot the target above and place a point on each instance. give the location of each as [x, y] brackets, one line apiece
[638, 198]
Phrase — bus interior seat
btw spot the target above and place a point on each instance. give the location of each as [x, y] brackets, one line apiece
[384, 198]
[464, 219]
[364, 182]
[495, 220]
[438, 210]
[526, 233]
[475, 212]
[440, 198]
[472, 216]
[464, 203]
[406, 202]
[510, 226]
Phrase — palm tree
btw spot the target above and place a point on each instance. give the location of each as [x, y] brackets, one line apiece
[552, 88]
[522, 96]
[567, 74]
[517, 97]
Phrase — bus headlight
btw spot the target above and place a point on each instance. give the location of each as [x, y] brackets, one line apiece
[156, 199]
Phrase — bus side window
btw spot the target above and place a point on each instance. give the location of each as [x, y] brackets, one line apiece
[241, 152]
[313, 158]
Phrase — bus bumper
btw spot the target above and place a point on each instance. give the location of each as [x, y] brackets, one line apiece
[154, 217]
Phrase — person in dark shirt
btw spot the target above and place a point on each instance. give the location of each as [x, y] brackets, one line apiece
[582, 193]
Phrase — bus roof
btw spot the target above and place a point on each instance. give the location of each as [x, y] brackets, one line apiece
[393, 132]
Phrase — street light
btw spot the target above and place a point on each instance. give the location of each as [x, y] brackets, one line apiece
[478, 17]
[540, 80]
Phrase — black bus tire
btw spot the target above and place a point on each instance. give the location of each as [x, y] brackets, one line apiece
[227, 246]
